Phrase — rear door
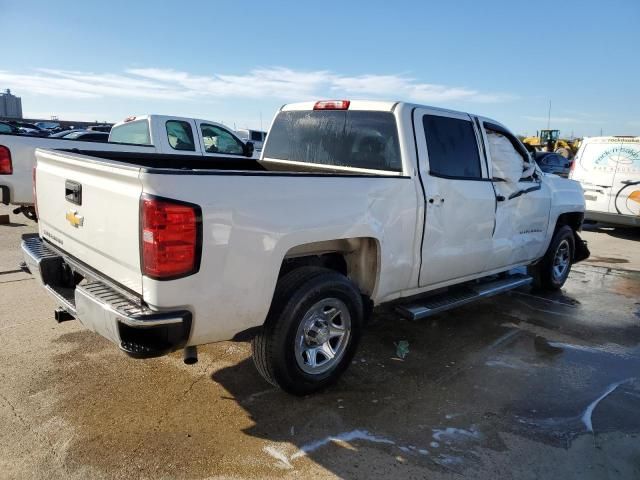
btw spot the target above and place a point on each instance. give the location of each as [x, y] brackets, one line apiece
[460, 201]
[89, 209]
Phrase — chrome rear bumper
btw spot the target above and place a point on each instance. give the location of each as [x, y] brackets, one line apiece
[138, 330]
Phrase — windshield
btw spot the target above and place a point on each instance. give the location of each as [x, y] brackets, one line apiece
[357, 139]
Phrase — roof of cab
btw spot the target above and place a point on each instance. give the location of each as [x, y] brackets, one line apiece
[371, 105]
[383, 106]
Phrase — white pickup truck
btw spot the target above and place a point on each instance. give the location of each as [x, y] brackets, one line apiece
[352, 205]
[142, 135]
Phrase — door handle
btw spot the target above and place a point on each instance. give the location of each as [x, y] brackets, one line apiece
[500, 198]
[436, 200]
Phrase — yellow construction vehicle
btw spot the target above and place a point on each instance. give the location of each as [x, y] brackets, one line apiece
[550, 141]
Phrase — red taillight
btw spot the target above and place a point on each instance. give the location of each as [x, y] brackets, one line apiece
[169, 238]
[332, 105]
[35, 197]
[6, 167]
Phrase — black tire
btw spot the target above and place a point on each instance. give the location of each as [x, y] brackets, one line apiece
[545, 277]
[274, 348]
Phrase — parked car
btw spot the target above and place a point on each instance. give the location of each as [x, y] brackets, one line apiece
[63, 133]
[142, 135]
[86, 136]
[8, 128]
[100, 128]
[257, 137]
[29, 129]
[551, 162]
[608, 168]
[352, 205]
[50, 126]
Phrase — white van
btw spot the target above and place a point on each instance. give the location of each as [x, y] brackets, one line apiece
[609, 170]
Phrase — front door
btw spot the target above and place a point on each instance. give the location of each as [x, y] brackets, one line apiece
[523, 200]
[460, 202]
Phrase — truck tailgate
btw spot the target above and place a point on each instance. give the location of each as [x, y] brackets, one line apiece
[89, 209]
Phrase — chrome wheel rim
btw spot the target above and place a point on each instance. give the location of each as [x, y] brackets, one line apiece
[322, 336]
[561, 260]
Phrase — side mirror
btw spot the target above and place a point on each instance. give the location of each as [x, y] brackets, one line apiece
[248, 149]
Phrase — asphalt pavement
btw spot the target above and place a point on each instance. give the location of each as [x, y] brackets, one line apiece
[526, 385]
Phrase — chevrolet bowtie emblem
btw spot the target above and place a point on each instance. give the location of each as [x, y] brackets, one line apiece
[74, 219]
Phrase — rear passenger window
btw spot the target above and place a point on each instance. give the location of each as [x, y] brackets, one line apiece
[180, 135]
[452, 147]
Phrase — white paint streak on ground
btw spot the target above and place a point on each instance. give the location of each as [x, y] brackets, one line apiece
[449, 460]
[586, 416]
[500, 363]
[503, 339]
[278, 454]
[450, 434]
[341, 437]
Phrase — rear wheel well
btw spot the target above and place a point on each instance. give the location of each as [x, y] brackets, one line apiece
[356, 258]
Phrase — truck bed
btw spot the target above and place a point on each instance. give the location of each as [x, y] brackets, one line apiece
[155, 162]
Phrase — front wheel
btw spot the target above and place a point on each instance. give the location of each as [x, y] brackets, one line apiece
[311, 332]
[552, 271]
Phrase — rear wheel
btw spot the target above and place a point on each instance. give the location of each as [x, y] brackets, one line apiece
[311, 332]
[552, 271]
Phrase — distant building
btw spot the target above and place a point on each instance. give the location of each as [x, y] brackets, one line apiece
[10, 105]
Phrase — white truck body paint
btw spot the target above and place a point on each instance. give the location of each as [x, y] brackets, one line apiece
[251, 220]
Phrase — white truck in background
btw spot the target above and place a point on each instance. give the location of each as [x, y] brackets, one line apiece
[257, 137]
[352, 205]
[608, 168]
[140, 135]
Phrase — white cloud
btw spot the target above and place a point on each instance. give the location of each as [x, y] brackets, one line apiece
[274, 82]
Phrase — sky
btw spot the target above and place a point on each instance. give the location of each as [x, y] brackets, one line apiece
[238, 62]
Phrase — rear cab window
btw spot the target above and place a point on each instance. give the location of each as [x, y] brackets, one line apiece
[338, 138]
[134, 132]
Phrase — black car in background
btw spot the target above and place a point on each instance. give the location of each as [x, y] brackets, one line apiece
[551, 162]
[84, 135]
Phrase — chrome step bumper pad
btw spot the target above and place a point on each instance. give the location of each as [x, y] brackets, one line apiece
[140, 331]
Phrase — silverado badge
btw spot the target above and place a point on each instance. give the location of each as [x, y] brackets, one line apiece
[74, 219]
